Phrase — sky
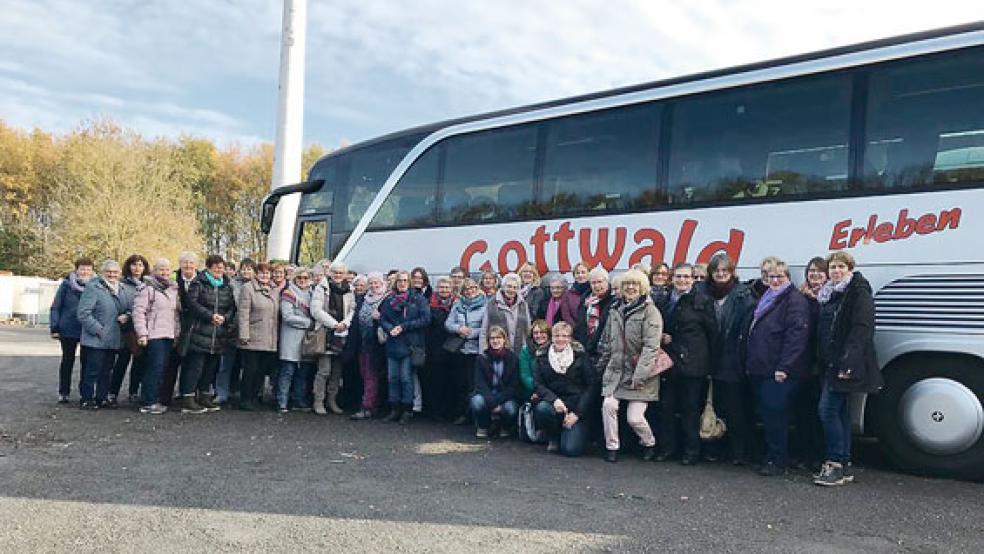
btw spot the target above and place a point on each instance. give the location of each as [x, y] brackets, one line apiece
[209, 68]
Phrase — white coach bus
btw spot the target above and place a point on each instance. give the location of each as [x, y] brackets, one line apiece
[876, 149]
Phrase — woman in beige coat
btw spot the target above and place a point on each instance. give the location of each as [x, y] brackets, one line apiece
[332, 307]
[259, 306]
[628, 350]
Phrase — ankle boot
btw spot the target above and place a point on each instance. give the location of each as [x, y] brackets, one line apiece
[319, 406]
[395, 412]
[333, 403]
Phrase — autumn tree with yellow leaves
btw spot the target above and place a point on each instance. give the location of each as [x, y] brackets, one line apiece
[107, 192]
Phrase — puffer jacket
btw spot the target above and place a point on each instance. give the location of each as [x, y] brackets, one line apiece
[628, 349]
[514, 319]
[575, 387]
[204, 301]
[257, 317]
[848, 343]
[295, 319]
[413, 318]
[693, 329]
[467, 313]
[156, 314]
[98, 311]
[779, 338]
[64, 315]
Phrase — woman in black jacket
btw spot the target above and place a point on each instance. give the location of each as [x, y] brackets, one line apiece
[846, 350]
[404, 317]
[689, 337]
[435, 376]
[496, 395]
[733, 302]
[776, 360]
[565, 384]
[211, 307]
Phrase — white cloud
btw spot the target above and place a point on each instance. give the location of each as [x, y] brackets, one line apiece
[210, 67]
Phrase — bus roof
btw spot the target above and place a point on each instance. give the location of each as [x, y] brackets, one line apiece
[429, 128]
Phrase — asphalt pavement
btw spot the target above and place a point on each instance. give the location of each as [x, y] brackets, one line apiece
[115, 481]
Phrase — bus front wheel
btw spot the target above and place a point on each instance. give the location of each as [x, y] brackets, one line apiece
[930, 416]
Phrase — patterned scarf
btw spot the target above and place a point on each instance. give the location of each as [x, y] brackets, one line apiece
[443, 304]
[591, 305]
[829, 288]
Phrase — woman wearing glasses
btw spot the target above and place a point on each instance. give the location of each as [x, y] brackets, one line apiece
[295, 319]
[733, 303]
[404, 315]
[776, 359]
[465, 322]
[689, 337]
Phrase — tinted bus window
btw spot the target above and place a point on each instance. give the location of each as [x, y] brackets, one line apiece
[412, 200]
[488, 176]
[601, 162]
[321, 201]
[361, 176]
[925, 123]
[779, 139]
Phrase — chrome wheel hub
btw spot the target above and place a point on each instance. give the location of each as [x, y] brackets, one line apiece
[941, 416]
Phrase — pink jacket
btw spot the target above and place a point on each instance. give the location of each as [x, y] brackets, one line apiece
[156, 313]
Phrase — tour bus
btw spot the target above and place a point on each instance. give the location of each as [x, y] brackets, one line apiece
[875, 149]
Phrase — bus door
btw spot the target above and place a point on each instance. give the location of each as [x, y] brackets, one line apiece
[311, 243]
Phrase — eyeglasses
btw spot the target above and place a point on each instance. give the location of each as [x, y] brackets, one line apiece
[302, 278]
[772, 277]
[683, 276]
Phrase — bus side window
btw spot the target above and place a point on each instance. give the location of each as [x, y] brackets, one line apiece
[787, 138]
[925, 124]
[488, 176]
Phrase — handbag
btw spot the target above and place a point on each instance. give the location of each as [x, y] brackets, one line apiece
[336, 343]
[381, 335]
[663, 363]
[313, 343]
[130, 340]
[453, 344]
[418, 356]
[711, 426]
[528, 431]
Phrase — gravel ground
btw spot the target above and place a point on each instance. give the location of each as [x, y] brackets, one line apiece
[115, 481]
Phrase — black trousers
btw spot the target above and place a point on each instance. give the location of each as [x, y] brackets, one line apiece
[68, 348]
[685, 395]
[256, 365]
[123, 359]
[731, 402]
[807, 442]
[462, 374]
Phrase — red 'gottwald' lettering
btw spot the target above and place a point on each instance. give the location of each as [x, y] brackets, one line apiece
[648, 243]
[904, 227]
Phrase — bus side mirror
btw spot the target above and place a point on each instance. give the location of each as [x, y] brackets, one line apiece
[268, 210]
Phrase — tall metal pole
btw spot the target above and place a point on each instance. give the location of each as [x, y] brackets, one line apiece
[290, 126]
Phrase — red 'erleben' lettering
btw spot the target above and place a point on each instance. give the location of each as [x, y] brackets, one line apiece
[885, 231]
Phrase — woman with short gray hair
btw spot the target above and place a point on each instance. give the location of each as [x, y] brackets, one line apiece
[332, 307]
[508, 310]
[156, 322]
[102, 314]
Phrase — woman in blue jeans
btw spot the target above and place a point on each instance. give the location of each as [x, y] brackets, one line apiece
[496, 396]
[404, 316]
[295, 320]
[776, 359]
[846, 349]
[565, 383]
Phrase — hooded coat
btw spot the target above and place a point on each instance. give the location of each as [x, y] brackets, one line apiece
[628, 349]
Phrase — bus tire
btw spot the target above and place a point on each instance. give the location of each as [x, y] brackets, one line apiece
[929, 416]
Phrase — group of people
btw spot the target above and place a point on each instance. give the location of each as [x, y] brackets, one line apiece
[688, 350]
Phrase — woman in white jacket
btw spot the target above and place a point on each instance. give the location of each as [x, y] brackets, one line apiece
[332, 307]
